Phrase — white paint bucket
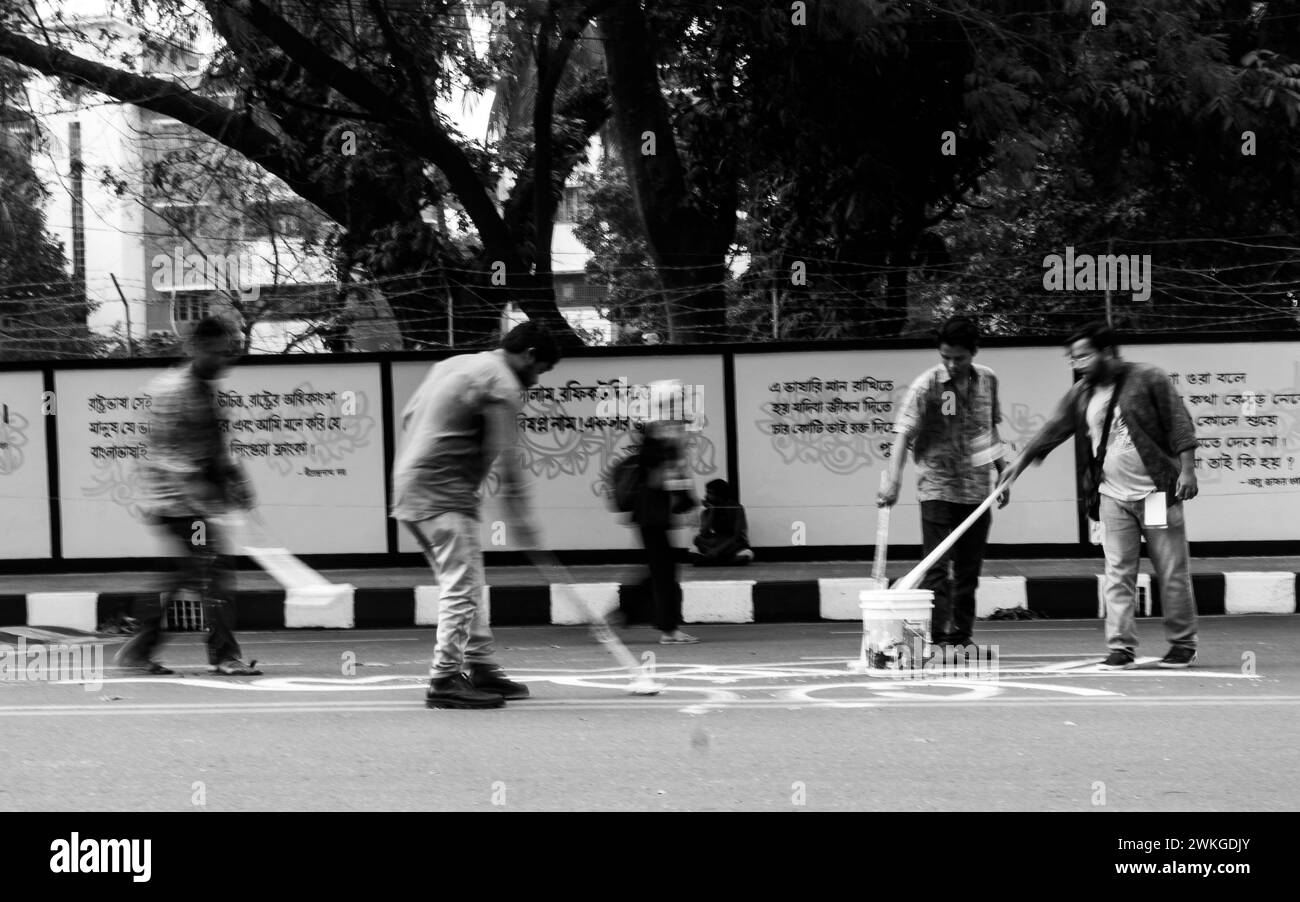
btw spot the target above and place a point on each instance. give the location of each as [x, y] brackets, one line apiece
[895, 628]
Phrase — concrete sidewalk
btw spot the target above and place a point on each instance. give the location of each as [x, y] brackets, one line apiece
[767, 592]
[526, 576]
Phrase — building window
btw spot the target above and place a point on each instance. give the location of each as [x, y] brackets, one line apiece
[570, 205]
[186, 310]
[183, 219]
[276, 220]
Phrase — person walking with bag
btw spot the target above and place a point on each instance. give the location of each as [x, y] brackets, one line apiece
[1139, 470]
[661, 491]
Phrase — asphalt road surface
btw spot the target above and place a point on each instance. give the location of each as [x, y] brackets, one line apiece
[755, 718]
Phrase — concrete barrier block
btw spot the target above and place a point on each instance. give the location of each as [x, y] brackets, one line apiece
[330, 607]
[839, 597]
[718, 601]
[601, 598]
[1259, 593]
[1000, 592]
[71, 610]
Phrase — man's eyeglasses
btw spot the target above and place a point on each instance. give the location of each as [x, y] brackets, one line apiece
[1082, 358]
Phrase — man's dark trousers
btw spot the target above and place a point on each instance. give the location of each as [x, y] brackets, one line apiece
[202, 569]
[662, 580]
[953, 617]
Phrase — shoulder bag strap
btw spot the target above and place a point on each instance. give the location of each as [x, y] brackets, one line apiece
[1105, 429]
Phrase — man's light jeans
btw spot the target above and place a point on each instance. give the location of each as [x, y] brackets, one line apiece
[464, 630]
[1122, 541]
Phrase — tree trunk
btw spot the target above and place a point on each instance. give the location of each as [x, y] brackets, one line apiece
[697, 300]
[687, 235]
[906, 233]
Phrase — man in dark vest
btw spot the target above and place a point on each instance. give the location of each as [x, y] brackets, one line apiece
[1146, 472]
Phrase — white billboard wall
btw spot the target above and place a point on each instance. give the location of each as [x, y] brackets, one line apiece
[573, 427]
[310, 436]
[24, 473]
[1245, 401]
[814, 431]
[317, 460]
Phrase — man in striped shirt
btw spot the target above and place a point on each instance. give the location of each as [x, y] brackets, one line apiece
[189, 482]
[949, 419]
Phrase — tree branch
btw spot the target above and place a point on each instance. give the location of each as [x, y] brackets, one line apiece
[237, 131]
[406, 62]
[658, 180]
[434, 142]
[590, 107]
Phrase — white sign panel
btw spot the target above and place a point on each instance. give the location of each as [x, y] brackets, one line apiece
[24, 474]
[310, 437]
[814, 431]
[574, 425]
[1244, 399]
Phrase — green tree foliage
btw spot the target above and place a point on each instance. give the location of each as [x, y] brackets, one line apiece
[912, 157]
[339, 99]
[620, 260]
[1178, 140]
[42, 313]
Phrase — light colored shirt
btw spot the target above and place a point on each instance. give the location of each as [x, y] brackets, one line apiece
[448, 451]
[1124, 476]
[187, 470]
[954, 434]
[1155, 416]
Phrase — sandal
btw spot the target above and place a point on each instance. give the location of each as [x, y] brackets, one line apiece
[235, 667]
[678, 638]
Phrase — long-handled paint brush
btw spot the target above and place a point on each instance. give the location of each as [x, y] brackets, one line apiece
[550, 567]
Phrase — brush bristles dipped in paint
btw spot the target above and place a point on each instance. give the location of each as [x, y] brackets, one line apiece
[641, 683]
[644, 686]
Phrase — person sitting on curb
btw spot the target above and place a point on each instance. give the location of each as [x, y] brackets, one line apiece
[723, 539]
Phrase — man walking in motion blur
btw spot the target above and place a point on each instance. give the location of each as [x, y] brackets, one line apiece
[189, 482]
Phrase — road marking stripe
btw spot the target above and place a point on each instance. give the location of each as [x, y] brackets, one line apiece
[625, 701]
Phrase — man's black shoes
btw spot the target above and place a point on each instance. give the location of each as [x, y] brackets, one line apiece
[489, 678]
[458, 692]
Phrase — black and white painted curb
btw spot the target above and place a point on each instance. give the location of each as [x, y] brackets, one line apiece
[704, 601]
